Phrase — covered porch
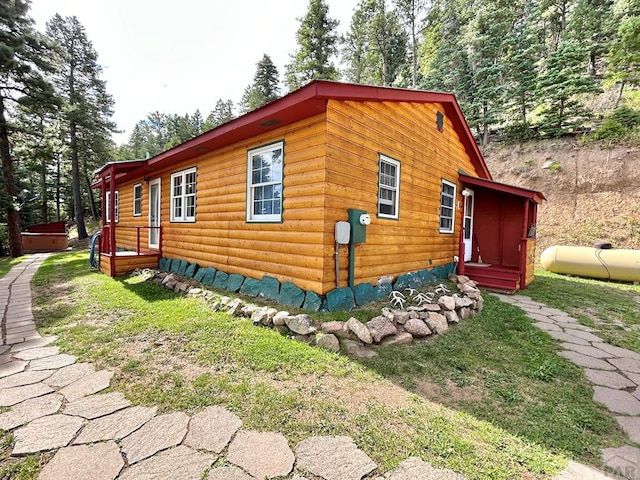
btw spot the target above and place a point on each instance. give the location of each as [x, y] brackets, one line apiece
[125, 247]
[497, 239]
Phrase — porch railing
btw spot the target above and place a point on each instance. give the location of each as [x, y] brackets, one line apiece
[106, 245]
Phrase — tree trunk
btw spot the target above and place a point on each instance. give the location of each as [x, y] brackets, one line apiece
[619, 99]
[485, 125]
[58, 187]
[44, 211]
[92, 200]
[75, 180]
[13, 218]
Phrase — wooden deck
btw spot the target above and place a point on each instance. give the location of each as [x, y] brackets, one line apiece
[125, 262]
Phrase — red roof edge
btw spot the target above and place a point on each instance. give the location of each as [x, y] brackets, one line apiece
[534, 195]
[309, 100]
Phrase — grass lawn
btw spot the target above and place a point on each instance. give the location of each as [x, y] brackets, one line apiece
[508, 406]
[7, 263]
[612, 309]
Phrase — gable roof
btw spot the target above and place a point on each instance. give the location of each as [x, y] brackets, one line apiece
[306, 102]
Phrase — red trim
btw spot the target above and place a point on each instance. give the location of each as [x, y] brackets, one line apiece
[534, 195]
[303, 103]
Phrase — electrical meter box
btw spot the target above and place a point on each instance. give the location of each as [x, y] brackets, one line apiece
[358, 219]
[343, 233]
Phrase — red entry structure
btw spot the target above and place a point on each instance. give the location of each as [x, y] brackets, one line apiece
[498, 234]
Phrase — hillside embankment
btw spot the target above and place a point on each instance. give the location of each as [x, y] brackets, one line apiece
[593, 192]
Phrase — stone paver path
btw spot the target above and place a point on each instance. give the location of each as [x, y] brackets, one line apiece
[58, 405]
[614, 372]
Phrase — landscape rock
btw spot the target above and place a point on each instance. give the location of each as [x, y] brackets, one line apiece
[46, 433]
[417, 328]
[234, 306]
[339, 329]
[333, 458]
[159, 433]
[437, 323]
[301, 324]
[179, 463]
[401, 338]
[400, 316]
[220, 280]
[340, 299]
[101, 461]
[358, 349]
[270, 288]
[191, 270]
[328, 342]
[359, 330]
[312, 302]
[275, 459]
[251, 287]
[462, 302]
[234, 282]
[280, 318]
[212, 429]
[447, 303]
[451, 316]
[381, 327]
[464, 313]
[364, 293]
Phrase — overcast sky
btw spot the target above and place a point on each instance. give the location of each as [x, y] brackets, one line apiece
[175, 57]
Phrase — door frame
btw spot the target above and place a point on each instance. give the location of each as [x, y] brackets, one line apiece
[468, 242]
[158, 182]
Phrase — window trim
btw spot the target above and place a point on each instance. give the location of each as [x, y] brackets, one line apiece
[396, 205]
[107, 198]
[453, 207]
[264, 218]
[183, 196]
[138, 213]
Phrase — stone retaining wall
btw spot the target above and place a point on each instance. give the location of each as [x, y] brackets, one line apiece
[391, 327]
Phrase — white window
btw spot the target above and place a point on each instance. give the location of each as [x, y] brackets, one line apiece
[264, 183]
[137, 200]
[108, 208]
[447, 210]
[183, 196]
[388, 187]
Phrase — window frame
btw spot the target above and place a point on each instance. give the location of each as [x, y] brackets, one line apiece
[138, 199]
[107, 198]
[184, 196]
[271, 217]
[396, 203]
[443, 194]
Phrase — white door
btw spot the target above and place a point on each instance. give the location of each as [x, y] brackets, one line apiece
[468, 222]
[154, 213]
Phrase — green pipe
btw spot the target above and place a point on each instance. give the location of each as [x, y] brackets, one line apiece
[352, 263]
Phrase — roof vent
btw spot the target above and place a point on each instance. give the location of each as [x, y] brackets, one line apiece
[270, 123]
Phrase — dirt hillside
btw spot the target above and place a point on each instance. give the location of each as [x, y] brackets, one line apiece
[593, 192]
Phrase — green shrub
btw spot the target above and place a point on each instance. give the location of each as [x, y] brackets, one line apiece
[611, 129]
[627, 117]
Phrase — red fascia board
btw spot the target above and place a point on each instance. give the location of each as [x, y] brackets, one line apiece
[534, 195]
[306, 102]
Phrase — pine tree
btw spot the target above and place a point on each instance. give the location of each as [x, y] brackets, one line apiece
[592, 25]
[376, 48]
[409, 11]
[560, 85]
[23, 63]
[222, 113]
[88, 107]
[264, 88]
[624, 55]
[317, 43]
[523, 50]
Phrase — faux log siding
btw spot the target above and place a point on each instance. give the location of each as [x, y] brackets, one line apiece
[357, 133]
[221, 237]
[127, 237]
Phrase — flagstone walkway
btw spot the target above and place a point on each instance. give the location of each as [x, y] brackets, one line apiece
[55, 404]
[613, 371]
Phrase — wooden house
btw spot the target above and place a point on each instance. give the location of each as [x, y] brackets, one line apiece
[261, 195]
